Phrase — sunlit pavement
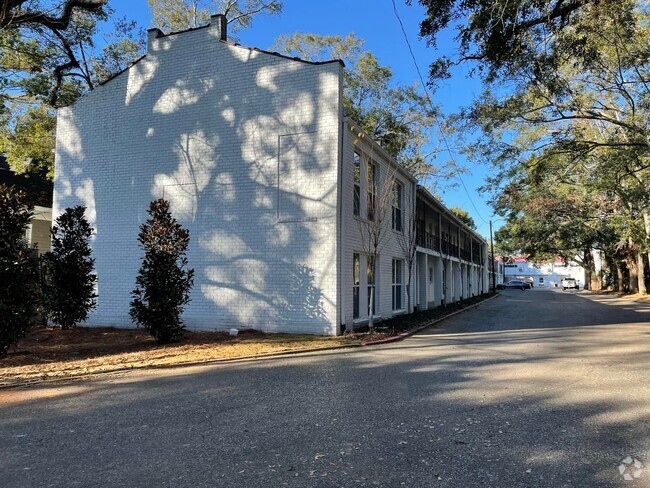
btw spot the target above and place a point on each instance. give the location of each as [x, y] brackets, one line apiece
[540, 388]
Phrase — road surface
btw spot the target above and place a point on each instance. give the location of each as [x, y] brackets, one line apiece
[536, 388]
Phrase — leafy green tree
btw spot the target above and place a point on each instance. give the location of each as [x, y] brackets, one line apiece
[44, 67]
[464, 216]
[565, 93]
[28, 144]
[178, 15]
[70, 286]
[163, 283]
[19, 291]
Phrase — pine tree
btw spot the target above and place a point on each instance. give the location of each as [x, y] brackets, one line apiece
[163, 283]
[70, 289]
[19, 291]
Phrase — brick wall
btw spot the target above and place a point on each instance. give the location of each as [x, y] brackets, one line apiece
[245, 145]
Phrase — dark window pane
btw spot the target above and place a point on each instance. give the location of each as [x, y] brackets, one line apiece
[355, 303]
[357, 199]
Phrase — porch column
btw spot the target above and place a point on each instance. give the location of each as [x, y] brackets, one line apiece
[437, 280]
[423, 280]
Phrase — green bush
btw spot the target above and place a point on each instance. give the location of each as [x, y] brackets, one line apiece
[19, 274]
[69, 290]
[163, 283]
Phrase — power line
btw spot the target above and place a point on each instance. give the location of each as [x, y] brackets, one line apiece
[433, 108]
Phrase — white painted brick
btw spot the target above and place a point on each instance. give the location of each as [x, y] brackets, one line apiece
[198, 122]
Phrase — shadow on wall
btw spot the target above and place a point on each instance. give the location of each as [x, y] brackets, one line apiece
[245, 147]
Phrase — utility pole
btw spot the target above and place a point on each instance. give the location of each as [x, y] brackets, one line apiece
[492, 251]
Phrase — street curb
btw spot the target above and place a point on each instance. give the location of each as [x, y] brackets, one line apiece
[275, 355]
[410, 332]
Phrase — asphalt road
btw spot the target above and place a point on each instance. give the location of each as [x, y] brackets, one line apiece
[540, 388]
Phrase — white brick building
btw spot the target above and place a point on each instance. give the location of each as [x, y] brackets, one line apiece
[255, 154]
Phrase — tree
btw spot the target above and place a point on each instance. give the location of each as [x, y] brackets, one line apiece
[19, 294]
[464, 216]
[177, 15]
[70, 285]
[28, 144]
[499, 34]
[37, 35]
[46, 67]
[565, 91]
[407, 239]
[372, 228]
[163, 283]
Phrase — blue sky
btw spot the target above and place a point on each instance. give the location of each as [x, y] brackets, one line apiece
[374, 21]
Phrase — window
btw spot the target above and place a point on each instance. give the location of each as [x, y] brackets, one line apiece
[372, 289]
[397, 284]
[355, 286]
[396, 200]
[372, 184]
[431, 274]
[357, 183]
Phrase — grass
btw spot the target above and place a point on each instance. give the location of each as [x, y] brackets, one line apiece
[51, 353]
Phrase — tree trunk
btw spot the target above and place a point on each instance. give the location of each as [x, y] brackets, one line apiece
[633, 280]
[408, 296]
[640, 266]
[371, 310]
[620, 277]
[646, 223]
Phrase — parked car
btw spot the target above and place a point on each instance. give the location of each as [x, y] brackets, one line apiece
[570, 284]
[521, 285]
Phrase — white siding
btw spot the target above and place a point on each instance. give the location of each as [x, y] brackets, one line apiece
[351, 232]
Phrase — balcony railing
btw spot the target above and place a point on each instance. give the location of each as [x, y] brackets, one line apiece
[428, 241]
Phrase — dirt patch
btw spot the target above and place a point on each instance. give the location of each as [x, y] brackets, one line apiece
[53, 353]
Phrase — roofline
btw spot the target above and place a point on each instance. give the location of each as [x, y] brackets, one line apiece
[234, 44]
[347, 119]
[447, 211]
[263, 51]
[284, 56]
[115, 75]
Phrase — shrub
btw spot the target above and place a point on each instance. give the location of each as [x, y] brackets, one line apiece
[19, 277]
[70, 284]
[163, 283]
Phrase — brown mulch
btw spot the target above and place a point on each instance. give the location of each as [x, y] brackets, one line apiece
[50, 353]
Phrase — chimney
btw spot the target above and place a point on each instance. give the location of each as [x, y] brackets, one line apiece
[219, 26]
[152, 35]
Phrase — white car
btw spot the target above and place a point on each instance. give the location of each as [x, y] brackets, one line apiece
[569, 283]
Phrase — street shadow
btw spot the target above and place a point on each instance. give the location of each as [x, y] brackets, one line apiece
[503, 409]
